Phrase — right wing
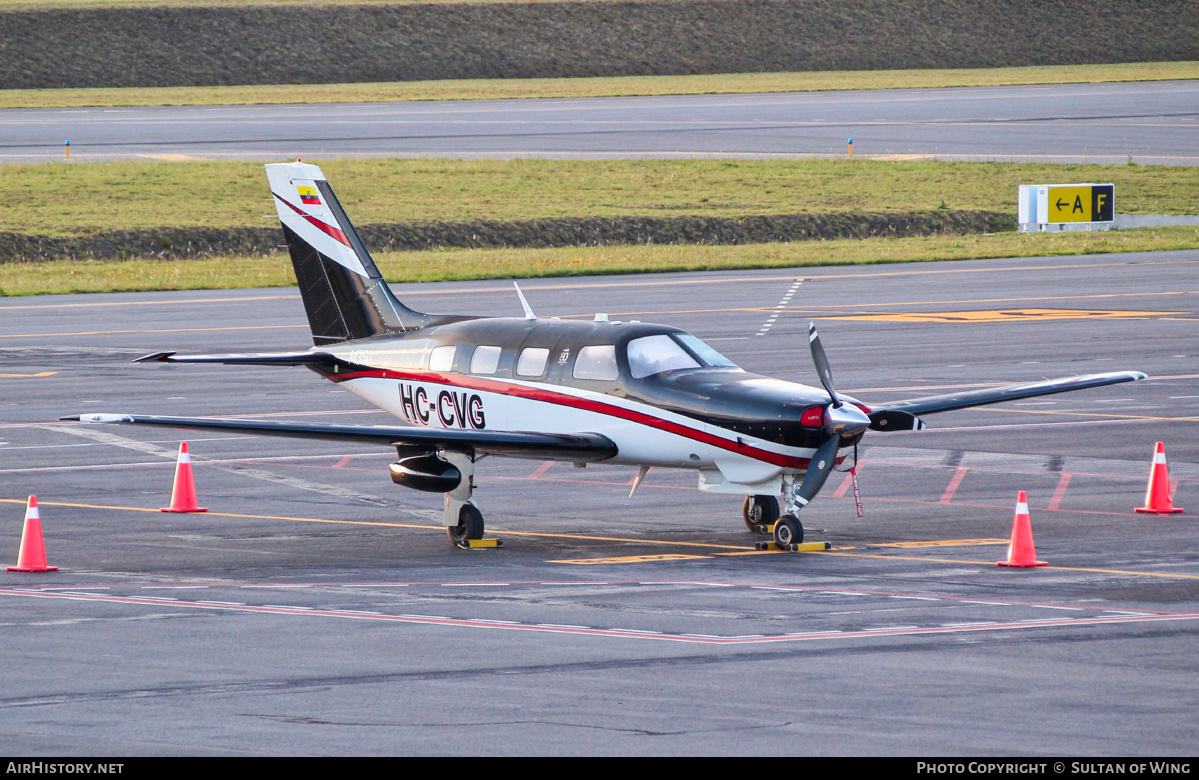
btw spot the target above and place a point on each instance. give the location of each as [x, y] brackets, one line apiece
[578, 447]
[901, 415]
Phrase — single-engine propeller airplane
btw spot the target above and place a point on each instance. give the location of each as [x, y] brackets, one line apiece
[582, 391]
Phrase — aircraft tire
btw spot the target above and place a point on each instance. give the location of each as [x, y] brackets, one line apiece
[788, 530]
[759, 510]
[470, 525]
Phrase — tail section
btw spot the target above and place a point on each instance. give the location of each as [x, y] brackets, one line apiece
[344, 293]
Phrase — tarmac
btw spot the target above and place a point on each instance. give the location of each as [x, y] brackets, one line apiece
[318, 609]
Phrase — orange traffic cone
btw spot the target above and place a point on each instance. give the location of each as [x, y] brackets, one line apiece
[1157, 495]
[183, 495]
[1021, 551]
[33, 548]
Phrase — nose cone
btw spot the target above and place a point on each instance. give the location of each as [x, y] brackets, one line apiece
[845, 420]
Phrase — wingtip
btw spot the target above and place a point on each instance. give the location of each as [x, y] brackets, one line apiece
[98, 418]
[155, 357]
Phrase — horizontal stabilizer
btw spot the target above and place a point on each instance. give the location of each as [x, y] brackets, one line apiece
[995, 395]
[255, 359]
[580, 447]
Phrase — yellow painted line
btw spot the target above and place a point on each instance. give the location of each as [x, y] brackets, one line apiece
[379, 524]
[1007, 315]
[160, 330]
[148, 303]
[944, 543]
[740, 550]
[1022, 299]
[43, 373]
[631, 559]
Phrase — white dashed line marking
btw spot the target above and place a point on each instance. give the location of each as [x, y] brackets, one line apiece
[781, 305]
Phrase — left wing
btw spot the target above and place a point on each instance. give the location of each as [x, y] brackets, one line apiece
[580, 447]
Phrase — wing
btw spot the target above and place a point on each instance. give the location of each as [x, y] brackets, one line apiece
[579, 447]
[995, 395]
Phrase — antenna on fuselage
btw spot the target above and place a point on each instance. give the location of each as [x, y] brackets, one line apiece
[529, 315]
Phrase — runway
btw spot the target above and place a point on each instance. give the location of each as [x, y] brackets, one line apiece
[1149, 123]
[318, 609]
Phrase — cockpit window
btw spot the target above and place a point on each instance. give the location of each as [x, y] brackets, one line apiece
[597, 362]
[655, 354]
[710, 356]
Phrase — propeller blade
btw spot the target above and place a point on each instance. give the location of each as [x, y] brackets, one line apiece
[895, 420]
[822, 367]
[818, 470]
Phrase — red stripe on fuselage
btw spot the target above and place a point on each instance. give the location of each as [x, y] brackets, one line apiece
[564, 399]
[329, 230]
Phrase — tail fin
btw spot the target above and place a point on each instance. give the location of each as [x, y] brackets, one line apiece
[344, 293]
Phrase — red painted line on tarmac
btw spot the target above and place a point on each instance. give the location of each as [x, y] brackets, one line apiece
[843, 488]
[606, 632]
[1060, 492]
[341, 464]
[956, 480]
[544, 467]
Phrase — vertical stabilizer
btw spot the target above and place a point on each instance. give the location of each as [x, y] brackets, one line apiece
[344, 293]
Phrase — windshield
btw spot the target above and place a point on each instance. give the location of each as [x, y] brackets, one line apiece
[655, 354]
[710, 356]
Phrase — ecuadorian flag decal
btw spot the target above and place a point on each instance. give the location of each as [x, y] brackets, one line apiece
[308, 196]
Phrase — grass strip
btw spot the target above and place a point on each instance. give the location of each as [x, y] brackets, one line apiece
[61, 277]
[64, 199]
[622, 86]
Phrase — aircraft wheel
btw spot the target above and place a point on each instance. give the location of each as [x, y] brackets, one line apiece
[759, 510]
[788, 530]
[470, 525]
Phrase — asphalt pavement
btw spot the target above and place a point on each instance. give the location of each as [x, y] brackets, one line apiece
[1146, 123]
[317, 608]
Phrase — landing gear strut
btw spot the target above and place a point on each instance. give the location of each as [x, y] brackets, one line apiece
[759, 511]
[788, 529]
[462, 518]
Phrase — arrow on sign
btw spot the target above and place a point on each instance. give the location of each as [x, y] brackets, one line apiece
[1061, 204]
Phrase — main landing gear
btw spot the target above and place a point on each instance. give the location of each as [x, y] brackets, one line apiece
[759, 512]
[462, 518]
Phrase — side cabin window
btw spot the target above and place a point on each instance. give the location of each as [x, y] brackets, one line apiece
[655, 354]
[441, 359]
[532, 361]
[485, 360]
[597, 362]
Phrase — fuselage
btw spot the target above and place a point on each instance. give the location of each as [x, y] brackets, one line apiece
[664, 397]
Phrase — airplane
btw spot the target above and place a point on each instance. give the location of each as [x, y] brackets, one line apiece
[599, 391]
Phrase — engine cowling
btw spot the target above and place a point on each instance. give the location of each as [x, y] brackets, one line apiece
[425, 472]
